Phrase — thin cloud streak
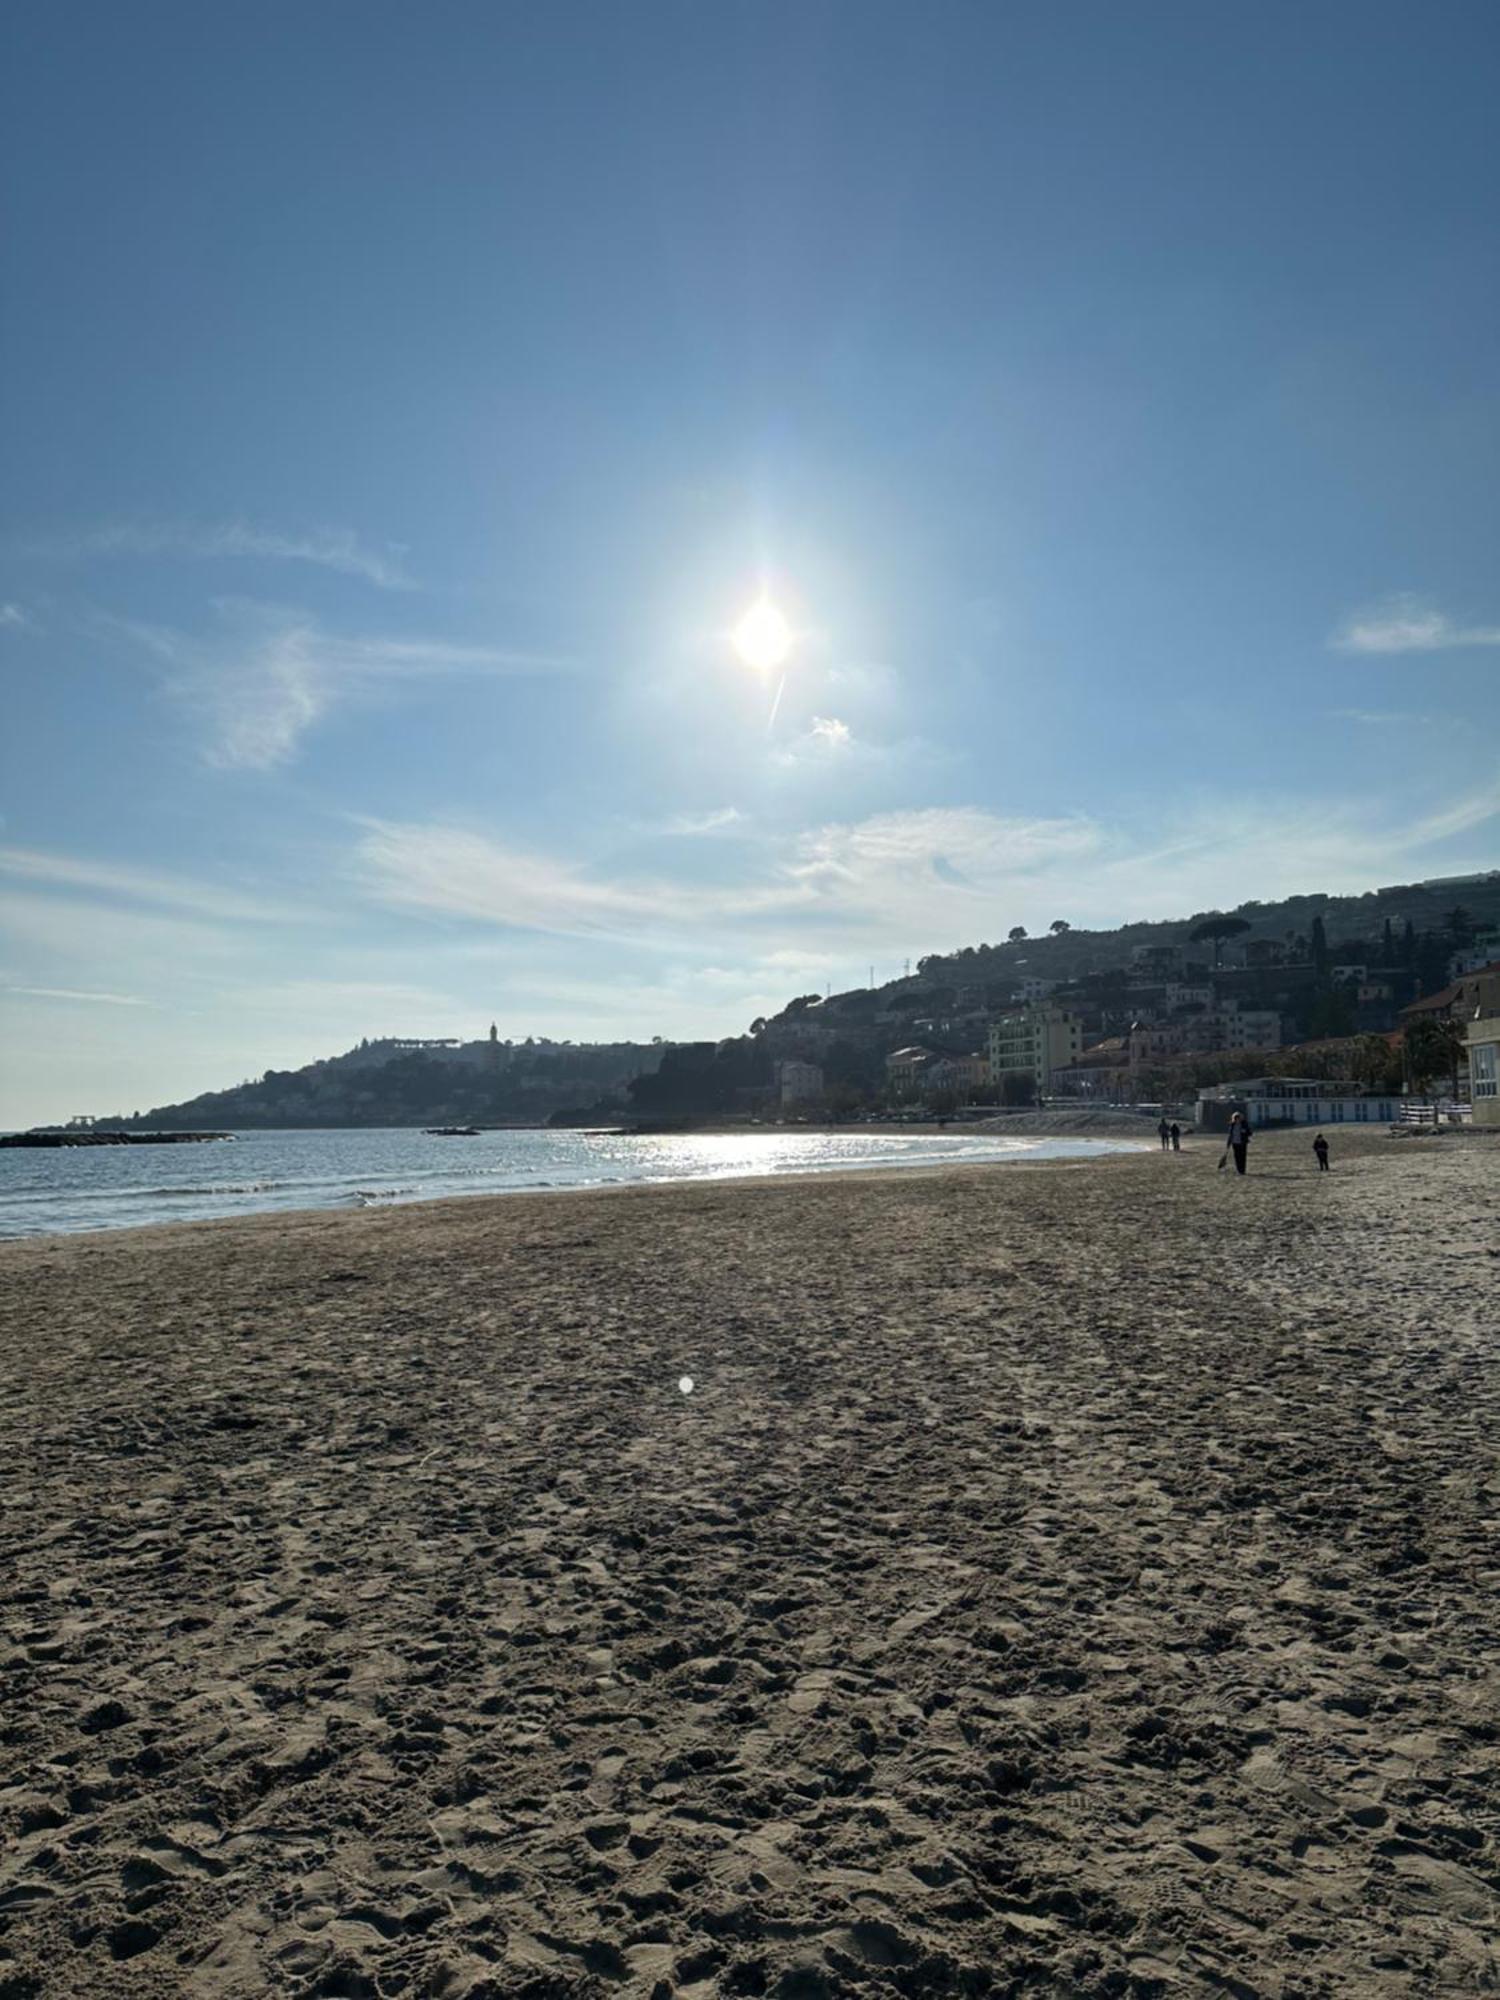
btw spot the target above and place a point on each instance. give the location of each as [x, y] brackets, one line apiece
[1405, 624]
[869, 877]
[337, 549]
[279, 673]
[71, 993]
[910, 881]
[140, 885]
[1377, 718]
[694, 825]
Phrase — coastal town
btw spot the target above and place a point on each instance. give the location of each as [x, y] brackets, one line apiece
[1314, 1011]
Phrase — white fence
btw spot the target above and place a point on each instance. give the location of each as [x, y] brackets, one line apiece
[1445, 1112]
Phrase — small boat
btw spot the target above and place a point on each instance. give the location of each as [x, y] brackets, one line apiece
[452, 1131]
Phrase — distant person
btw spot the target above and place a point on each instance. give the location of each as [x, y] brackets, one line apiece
[1320, 1147]
[1164, 1133]
[1238, 1142]
[1176, 1131]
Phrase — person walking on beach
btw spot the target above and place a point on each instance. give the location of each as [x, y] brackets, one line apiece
[1176, 1131]
[1239, 1140]
[1320, 1147]
[1164, 1133]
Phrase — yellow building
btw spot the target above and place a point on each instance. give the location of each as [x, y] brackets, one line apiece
[1034, 1041]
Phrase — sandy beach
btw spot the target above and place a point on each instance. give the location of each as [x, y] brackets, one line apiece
[1071, 1580]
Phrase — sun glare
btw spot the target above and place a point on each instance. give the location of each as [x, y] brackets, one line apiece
[762, 638]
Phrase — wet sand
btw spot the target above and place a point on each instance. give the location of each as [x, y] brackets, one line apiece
[1064, 1580]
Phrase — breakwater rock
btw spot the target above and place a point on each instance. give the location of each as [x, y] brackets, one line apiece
[110, 1138]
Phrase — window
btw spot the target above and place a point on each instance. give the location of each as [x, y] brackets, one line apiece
[1484, 1069]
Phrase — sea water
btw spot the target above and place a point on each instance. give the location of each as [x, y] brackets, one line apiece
[114, 1187]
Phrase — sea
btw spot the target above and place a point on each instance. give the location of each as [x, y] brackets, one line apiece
[71, 1188]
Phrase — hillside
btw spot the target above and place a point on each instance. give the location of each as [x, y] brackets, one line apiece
[417, 1083]
[1284, 957]
[1425, 906]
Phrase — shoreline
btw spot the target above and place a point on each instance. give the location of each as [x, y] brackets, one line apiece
[378, 1203]
[1077, 1582]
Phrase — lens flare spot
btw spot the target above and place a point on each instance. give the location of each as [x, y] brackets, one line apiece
[763, 639]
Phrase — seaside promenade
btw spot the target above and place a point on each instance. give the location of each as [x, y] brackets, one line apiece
[1069, 1580]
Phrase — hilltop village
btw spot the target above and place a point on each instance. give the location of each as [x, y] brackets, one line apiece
[1368, 1003]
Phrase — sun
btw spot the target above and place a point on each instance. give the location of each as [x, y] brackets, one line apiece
[762, 638]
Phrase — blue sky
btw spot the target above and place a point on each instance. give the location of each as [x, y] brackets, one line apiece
[402, 404]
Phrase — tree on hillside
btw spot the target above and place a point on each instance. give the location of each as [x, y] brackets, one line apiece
[1373, 1062]
[1016, 935]
[1387, 944]
[1459, 925]
[1320, 957]
[1430, 960]
[1216, 929]
[1058, 925]
[1432, 1048]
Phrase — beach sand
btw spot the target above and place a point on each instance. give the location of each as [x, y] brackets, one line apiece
[1064, 1580]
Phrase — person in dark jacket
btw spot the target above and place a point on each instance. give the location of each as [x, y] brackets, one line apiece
[1239, 1140]
[1164, 1133]
[1176, 1131]
[1320, 1147]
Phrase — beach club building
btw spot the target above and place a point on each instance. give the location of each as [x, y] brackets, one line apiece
[1294, 1100]
[1484, 1069]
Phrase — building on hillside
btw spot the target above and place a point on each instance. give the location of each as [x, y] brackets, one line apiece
[1264, 951]
[1484, 1069]
[904, 1069]
[1204, 1031]
[1100, 1074]
[1294, 1100]
[1034, 1041]
[1032, 990]
[1158, 958]
[1248, 1027]
[1473, 998]
[798, 1082]
[963, 1075]
[1485, 950]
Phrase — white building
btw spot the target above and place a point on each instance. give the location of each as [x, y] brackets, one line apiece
[798, 1082]
[1294, 1100]
[1248, 1027]
[1485, 950]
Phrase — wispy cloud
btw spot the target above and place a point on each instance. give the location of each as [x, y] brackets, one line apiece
[14, 619]
[1381, 718]
[71, 993]
[150, 888]
[327, 548]
[913, 880]
[693, 824]
[275, 673]
[1406, 624]
[895, 873]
